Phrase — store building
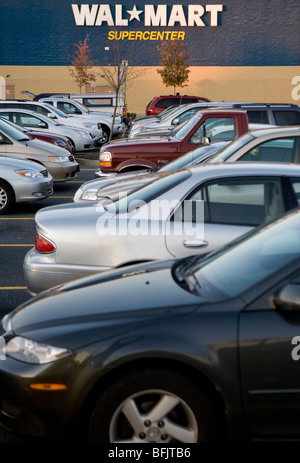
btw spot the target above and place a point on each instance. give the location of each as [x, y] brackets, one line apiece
[245, 50]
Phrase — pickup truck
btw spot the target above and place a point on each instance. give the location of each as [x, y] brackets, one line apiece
[207, 126]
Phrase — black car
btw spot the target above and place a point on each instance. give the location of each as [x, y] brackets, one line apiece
[185, 351]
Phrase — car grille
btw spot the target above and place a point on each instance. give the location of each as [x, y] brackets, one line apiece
[44, 173]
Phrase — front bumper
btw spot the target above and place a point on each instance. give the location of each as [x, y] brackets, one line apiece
[42, 272]
[99, 174]
[119, 129]
[33, 189]
[38, 413]
[62, 171]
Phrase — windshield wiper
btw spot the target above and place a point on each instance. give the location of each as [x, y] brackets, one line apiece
[183, 275]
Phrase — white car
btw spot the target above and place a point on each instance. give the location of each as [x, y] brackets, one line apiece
[22, 181]
[55, 114]
[76, 109]
[81, 139]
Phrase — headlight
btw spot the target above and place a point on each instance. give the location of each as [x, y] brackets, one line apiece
[90, 194]
[29, 351]
[59, 158]
[90, 125]
[105, 158]
[29, 173]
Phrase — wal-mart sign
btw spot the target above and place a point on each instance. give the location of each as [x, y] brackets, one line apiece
[233, 33]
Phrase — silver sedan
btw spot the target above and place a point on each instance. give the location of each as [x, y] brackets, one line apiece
[80, 138]
[180, 213]
[22, 181]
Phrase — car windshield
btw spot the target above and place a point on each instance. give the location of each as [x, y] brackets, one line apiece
[171, 113]
[14, 132]
[191, 157]
[245, 262]
[229, 150]
[82, 107]
[186, 127]
[145, 194]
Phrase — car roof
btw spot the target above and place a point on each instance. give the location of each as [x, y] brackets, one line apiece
[276, 132]
[250, 168]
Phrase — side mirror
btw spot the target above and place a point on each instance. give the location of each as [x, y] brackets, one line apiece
[2, 142]
[52, 116]
[205, 141]
[288, 298]
[175, 121]
[42, 125]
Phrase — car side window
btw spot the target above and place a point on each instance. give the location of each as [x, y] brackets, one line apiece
[278, 150]
[236, 201]
[257, 116]
[216, 129]
[26, 120]
[287, 117]
[66, 107]
[295, 182]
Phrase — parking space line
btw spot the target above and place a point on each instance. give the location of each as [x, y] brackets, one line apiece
[12, 287]
[17, 218]
[12, 245]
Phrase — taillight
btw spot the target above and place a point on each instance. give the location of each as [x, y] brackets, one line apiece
[43, 244]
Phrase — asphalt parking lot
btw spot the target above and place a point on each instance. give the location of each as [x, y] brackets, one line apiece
[17, 237]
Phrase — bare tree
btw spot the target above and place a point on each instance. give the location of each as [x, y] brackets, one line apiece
[119, 71]
[82, 65]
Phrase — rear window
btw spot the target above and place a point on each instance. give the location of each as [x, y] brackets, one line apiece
[287, 117]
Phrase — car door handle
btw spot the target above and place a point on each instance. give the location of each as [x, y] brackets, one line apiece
[195, 243]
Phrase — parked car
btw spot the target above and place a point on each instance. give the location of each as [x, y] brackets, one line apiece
[14, 142]
[80, 139]
[93, 189]
[186, 351]
[58, 140]
[270, 113]
[207, 126]
[159, 103]
[281, 144]
[191, 211]
[22, 181]
[76, 109]
[55, 114]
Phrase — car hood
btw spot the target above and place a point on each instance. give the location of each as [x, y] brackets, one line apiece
[127, 295]
[16, 163]
[36, 146]
[119, 143]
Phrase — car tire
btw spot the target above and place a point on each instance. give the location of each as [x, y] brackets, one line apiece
[7, 197]
[126, 412]
[106, 133]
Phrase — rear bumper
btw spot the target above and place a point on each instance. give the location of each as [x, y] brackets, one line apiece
[42, 272]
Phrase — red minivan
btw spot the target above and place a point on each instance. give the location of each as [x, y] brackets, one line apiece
[159, 103]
